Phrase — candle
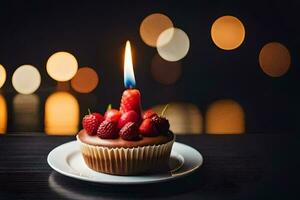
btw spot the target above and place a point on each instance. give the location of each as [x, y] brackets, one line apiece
[131, 98]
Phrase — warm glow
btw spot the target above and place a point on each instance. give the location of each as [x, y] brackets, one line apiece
[61, 114]
[129, 79]
[173, 49]
[26, 112]
[3, 115]
[85, 80]
[274, 59]
[225, 117]
[62, 66]
[165, 72]
[2, 76]
[152, 26]
[26, 79]
[228, 32]
[185, 118]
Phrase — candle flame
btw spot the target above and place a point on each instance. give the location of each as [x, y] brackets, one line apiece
[129, 79]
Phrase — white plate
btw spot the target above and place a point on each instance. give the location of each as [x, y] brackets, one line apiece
[67, 160]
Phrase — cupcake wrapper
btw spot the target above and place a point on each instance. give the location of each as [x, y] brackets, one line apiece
[126, 161]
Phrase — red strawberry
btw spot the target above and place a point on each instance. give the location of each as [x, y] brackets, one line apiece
[90, 123]
[112, 115]
[129, 116]
[107, 130]
[98, 116]
[131, 100]
[161, 124]
[130, 131]
[149, 114]
[147, 128]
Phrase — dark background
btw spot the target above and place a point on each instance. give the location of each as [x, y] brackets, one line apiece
[96, 32]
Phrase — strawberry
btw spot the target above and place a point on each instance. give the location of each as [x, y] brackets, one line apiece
[129, 116]
[107, 130]
[149, 114]
[131, 100]
[90, 123]
[130, 131]
[98, 116]
[112, 115]
[161, 124]
[147, 128]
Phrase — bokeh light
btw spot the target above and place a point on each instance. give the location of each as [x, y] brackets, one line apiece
[62, 66]
[61, 114]
[165, 72]
[3, 115]
[175, 48]
[85, 80]
[26, 112]
[274, 59]
[225, 117]
[152, 26]
[184, 118]
[228, 32]
[2, 76]
[26, 79]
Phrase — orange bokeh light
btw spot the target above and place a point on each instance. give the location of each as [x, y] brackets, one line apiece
[152, 26]
[228, 32]
[274, 59]
[85, 80]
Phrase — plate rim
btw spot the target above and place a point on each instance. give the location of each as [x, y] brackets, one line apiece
[161, 179]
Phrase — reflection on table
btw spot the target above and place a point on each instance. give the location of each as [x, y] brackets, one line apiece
[3, 115]
[225, 117]
[63, 111]
[61, 114]
[26, 112]
[183, 117]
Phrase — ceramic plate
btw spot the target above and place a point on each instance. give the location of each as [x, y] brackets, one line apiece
[67, 160]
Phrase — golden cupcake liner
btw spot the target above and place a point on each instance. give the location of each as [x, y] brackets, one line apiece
[126, 161]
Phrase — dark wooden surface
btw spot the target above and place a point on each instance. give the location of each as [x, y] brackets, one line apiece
[249, 166]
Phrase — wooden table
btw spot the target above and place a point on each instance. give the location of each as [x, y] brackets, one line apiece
[249, 166]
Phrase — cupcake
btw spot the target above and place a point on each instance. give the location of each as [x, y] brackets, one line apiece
[125, 142]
